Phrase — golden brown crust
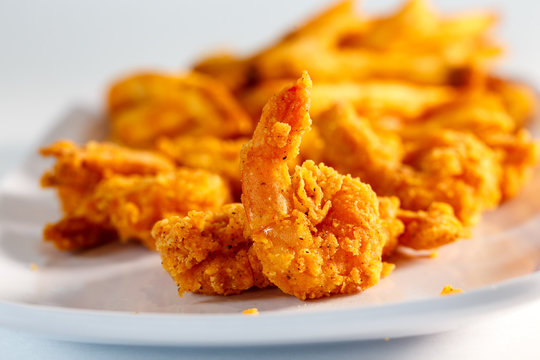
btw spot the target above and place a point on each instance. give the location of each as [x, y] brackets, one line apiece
[209, 252]
[144, 107]
[207, 152]
[123, 191]
[318, 232]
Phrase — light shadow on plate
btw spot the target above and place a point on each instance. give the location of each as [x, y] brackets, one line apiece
[25, 246]
[148, 288]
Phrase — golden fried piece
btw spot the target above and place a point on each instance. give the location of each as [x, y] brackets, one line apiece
[232, 72]
[435, 227]
[518, 99]
[316, 232]
[132, 204]
[84, 166]
[206, 152]
[78, 169]
[73, 233]
[144, 107]
[122, 190]
[487, 117]
[413, 45]
[518, 154]
[440, 166]
[209, 252]
[370, 98]
[393, 227]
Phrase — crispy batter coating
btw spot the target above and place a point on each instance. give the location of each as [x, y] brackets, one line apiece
[487, 116]
[435, 227]
[84, 166]
[370, 98]
[133, 204]
[233, 72]
[209, 252]
[415, 44]
[316, 232]
[518, 155]
[440, 166]
[392, 225]
[124, 191]
[76, 233]
[206, 152]
[144, 107]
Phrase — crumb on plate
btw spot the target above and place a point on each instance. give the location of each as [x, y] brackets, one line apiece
[252, 311]
[449, 290]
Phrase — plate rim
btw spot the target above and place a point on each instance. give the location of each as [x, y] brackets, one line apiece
[400, 319]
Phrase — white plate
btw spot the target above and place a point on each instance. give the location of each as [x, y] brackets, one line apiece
[119, 294]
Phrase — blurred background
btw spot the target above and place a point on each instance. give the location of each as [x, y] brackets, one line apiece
[56, 54]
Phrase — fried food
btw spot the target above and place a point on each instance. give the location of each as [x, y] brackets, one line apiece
[144, 107]
[370, 98]
[209, 252]
[76, 233]
[85, 166]
[440, 166]
[415, 45]
[107, 195]
[207, 152]
[316, 232]
[404, 104]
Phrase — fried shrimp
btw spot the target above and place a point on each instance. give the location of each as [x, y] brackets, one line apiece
[207, 152]
[84, 166]
[316, 232]
[144, 107]
[440, 166]
[209, 252]
[111, 192]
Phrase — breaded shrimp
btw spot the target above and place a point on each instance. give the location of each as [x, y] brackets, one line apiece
[144, 107]
[440, 166]
[107, 189]
[76, 233]
[207, 152]
[84, 166]
[316, 232]
[209, 252]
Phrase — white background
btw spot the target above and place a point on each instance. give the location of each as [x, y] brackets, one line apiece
[55, 54]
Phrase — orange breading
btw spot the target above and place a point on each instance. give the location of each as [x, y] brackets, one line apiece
[144, 107]
[316, 232]
[370, 98]
[133, 204]
[206, 152]
[84, 166]
[393, 227]
[77, 233]
[435, 227]
[415, 44]
[439, 166]
[209, 252]
[115, 189]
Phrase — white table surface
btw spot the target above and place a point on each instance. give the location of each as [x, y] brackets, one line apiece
[57, 53]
